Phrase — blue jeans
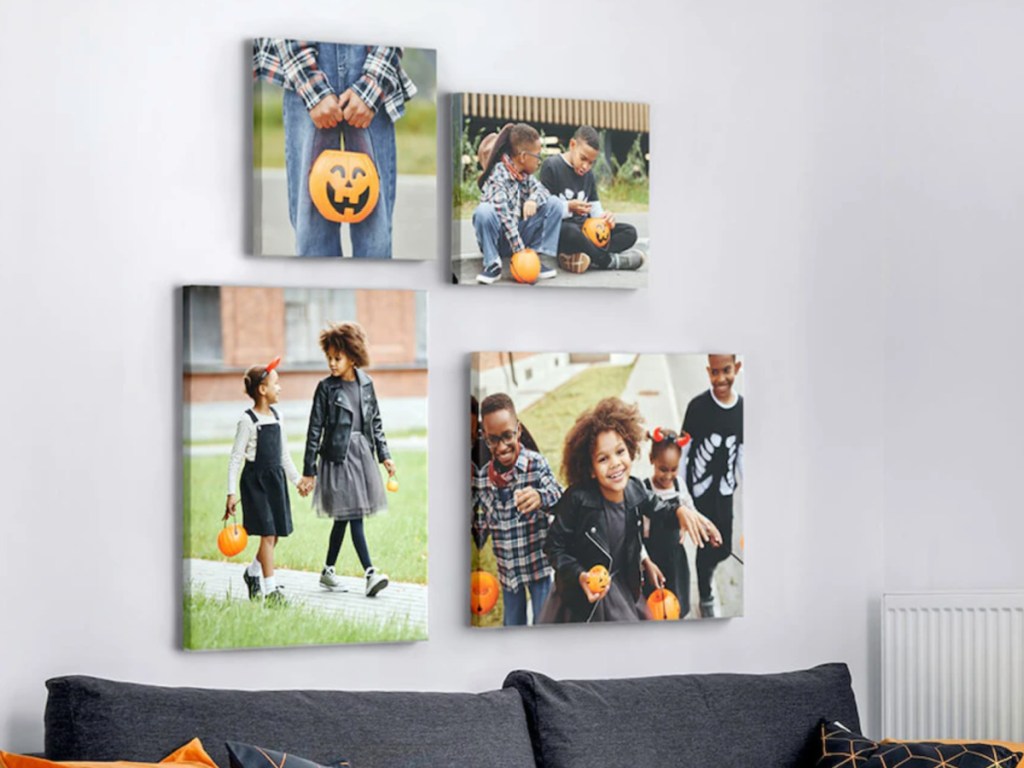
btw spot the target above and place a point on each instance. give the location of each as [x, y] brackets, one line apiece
[303, 143]
[539, 232]
[515, 602]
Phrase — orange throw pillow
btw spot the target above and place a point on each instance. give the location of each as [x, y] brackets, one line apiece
[192, 755]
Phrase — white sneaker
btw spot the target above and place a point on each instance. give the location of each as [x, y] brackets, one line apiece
[375, 581]
[328, 580]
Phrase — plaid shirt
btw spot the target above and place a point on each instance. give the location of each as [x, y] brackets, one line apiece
[508, 195]
[518, 539]
[292, 64]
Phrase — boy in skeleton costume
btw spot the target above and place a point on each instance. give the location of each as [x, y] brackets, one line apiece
[714, 463]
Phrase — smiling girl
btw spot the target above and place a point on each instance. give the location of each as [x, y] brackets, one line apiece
[345, 431]
[598, 520]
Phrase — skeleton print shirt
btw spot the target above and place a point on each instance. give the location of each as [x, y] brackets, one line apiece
[714, 459]
[564, 183]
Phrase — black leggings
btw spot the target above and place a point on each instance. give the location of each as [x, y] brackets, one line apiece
[572, 240]
[358, 540]
[709, 557]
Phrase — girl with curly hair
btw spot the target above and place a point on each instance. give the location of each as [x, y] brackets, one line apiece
[598, 521]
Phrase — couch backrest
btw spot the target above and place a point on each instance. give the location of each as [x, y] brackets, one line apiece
[694, 721]
[93, 719]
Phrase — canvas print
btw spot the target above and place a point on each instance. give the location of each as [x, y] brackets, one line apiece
[344, 150]
[305, 466]
[605, 487]
[551, 192]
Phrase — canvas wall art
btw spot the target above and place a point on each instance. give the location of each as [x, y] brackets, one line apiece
[550, 192]
[344, 150]
[305, 466]
[605, 487]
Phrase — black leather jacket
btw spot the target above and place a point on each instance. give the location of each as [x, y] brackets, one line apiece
[330, 422]
[577, 540]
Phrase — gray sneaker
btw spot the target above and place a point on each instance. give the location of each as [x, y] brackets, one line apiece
[328, 580]
[707, 610]
[631, 258]
[375, 581]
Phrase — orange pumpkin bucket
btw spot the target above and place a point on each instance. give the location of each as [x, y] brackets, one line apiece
[663, 604]
[483, 592]
[525, 266]
[597, 231]
[232, 539]
[344, 186]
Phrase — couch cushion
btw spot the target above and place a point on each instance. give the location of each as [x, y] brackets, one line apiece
[92, 719]
[700, 720]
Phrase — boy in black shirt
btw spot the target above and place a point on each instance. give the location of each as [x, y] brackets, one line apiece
[714, 463]
[568, 176]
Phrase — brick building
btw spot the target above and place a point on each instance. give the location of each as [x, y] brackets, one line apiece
[228, 329]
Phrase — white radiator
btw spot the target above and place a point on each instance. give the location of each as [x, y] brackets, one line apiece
[953, 665]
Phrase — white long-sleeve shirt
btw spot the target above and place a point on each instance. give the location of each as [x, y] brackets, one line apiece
[244, 448]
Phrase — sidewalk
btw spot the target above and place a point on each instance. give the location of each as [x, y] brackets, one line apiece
[653, 385]
[467, 262]
[399, 602]
[415, 216]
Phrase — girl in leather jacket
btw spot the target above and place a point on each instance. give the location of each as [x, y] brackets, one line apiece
[345, 431]
[598, 520]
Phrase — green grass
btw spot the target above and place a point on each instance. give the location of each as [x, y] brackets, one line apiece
[548, 420]
[397, 538]
[415, 134]
[222, 623]
[551, 417]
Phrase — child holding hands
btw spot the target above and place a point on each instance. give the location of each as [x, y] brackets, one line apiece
[598, 520]
[345, 431]
[262, 445]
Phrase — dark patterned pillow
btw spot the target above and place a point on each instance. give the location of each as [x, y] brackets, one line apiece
[249, 756]
[841, 748]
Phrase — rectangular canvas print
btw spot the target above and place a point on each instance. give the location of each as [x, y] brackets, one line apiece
[305, 466]
[551, 192]
[605, 487]
[344, 150]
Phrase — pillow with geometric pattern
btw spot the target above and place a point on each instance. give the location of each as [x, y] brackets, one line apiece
[841, 748]
[250, 756]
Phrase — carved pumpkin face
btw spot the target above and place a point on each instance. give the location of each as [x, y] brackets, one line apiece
[525, 266]
[344, 186]
[232, 539]
[483, 592]
[597, 231]
[598, 579]
[663, 605]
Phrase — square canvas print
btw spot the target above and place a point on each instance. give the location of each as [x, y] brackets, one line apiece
[305, 466]
[344, 150]
[605, 487]
[551, 192]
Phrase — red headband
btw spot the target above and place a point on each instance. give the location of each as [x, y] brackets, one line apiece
[667, 435]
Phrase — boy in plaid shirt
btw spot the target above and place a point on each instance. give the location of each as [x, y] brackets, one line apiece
[514, 492]
[334, 90]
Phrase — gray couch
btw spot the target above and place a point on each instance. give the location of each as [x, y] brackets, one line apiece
[716, 721]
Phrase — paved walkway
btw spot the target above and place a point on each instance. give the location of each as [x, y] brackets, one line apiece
[414, 226]
[399, 602]
[663, 385]
[467, 262]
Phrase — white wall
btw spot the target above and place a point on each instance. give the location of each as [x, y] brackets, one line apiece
[125, 176]
[954, 230]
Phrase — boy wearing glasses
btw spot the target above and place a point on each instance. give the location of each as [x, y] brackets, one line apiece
[514, 493]
[516, 211]
[569, 176]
